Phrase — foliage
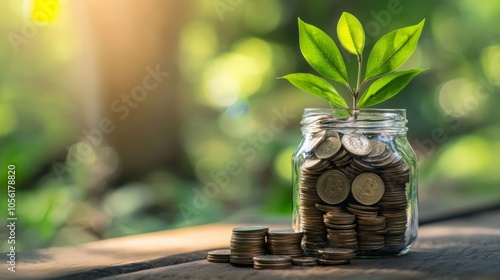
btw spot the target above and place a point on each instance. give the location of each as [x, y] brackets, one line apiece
[388, 54]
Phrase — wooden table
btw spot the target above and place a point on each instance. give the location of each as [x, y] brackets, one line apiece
[466, 248]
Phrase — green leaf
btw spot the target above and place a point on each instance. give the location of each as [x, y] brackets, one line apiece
[392, 50]
[317, 86]
[351, 33]
[321, 52]
[386, 87]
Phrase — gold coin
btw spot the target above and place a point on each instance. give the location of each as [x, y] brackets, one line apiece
[357, 144]
[328, 148]
[368, 188]
[333, 187]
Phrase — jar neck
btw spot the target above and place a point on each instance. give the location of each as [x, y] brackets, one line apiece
[389, 121]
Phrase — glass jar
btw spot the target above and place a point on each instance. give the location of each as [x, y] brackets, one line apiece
[355, 182]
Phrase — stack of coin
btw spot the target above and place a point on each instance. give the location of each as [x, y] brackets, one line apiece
[305, 261]
[370, 232]
[393, 208]
[285, 242]
[219, 256]
[311, 219]
[393, 204]
[341, 228]
[247, 242]
[272, 262]
[362, 210]
[336, 256]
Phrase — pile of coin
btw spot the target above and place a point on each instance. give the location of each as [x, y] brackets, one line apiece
[285, 242]
[336, 256]
[364, 174]
[247, 242]
[272, 262]
[341, 228]
[219, 256]
[311, 221]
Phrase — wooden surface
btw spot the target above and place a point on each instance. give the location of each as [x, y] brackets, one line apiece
[466, 248]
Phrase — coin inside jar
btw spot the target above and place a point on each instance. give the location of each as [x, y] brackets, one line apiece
[328, 148]
[357, 144]
[368, 188]
[333, 187]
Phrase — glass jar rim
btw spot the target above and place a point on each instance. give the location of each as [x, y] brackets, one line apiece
[381, 110]
[362, 120]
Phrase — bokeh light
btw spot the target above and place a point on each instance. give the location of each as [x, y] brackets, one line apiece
[214, 109]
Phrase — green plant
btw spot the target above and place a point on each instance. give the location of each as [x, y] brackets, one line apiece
[387, 55]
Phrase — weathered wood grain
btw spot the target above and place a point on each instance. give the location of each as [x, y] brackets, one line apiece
[119, 254]
[464, 249]
[460, 249]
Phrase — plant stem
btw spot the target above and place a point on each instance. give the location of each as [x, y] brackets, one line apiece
[360, 65]
[358, 89]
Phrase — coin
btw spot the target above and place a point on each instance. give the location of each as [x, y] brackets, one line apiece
[247, 242]
[311, 163]
[327, 208]
[333, 187]
[285, 233]
[337, 226]
[378, 148]
[272, 266]
[272, 259]
[285, 242]
[339, 218]
[314, 142]
[368, 188]
[333, 262]
[356, 144]
[243, 261]
[219, 256]
[251, 229]
[328, 148]
[305, 261]
[337, 253]
[341, 229]
[336, 256]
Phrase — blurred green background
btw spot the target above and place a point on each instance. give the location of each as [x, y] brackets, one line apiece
[124, 117]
